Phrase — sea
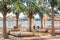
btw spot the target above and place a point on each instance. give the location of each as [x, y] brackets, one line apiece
[26, 23]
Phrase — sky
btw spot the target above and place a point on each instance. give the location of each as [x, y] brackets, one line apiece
[20, 16]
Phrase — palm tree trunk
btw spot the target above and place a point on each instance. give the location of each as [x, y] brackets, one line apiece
[5, 35]
[53, 32]
[30, 24]
[44, 23]
[41, 23]
[16, 21]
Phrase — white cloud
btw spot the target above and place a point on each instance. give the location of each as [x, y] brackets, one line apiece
[21, 15]
[1, 15]
[10, 14]
[58, 11]
[36, 16]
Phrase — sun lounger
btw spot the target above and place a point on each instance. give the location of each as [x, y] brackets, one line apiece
[21, 34]
[43, 30]
[56, 31]
[15, 29]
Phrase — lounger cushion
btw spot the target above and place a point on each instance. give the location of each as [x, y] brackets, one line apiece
[43, 30]
[15, 29]
[22, 33]
[56, 31]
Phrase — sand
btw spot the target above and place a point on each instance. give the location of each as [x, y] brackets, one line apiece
[43, 36]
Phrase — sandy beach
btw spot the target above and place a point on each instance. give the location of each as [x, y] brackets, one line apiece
[46, 37]
[43, 36]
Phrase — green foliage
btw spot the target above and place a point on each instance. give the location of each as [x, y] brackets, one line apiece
[9, 10]
[58, 2]
[39, 2]
[35, 6]
[10, 1]
[18, 7]
[6, 2]
[53, 2]
[2, 9]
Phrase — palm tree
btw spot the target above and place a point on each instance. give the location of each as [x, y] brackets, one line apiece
[29, 11]
[4, 9]
[17, 9]
[41, 11]
[17, 17]
[33, 5]
[41, 17]
[30, 17]
[53, 3]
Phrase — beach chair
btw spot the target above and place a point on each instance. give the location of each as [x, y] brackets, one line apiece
[38, 28]
[15, 29]
[57, 31]
[21, 34]
[43, 30]
[34, 29]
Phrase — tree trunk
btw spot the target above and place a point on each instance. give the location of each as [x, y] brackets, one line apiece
[44, 24]
[16, 21]
[53, 32]
[5, 35]
[30, 24]
[41, 23]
